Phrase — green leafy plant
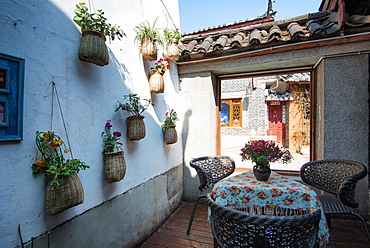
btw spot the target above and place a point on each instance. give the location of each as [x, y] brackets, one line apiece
[95, 22]
[162, 65]
[50, 158]
[133, 104]
[169, 120]
[172, 35]
[147, 32]
[265, 152]
[111, 139]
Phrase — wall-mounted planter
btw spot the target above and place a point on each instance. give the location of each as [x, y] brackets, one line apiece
[114, 166]
[170, 135]
[93, 48]
[149, 50]
[173, 51]
[135, 127]
[62, 197]
[156, 82]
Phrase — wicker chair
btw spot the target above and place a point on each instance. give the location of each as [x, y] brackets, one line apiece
[339, 178]
[235, 228]
[210, 170]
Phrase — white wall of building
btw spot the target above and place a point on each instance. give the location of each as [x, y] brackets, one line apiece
[43, 33]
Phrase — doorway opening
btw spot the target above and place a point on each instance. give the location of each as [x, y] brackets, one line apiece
[275, 108]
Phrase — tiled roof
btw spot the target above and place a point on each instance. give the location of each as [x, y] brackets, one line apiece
[307, 27]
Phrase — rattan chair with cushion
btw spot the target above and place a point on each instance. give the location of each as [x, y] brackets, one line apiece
[210, 170]
[239, 228]
[338, 178]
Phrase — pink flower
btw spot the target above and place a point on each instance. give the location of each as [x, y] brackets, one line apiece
[117, 134]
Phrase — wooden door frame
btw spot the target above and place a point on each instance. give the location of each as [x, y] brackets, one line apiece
[217, 92]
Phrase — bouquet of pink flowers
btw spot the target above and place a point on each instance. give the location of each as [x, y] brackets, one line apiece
[111, 140]
[265, 152]
[170, 119]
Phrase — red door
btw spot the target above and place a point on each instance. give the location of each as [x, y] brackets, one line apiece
[276, 125]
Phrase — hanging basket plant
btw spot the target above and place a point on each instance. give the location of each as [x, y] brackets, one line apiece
[67, 195]
[64, 189]
[172, 38]
[114, 160]
[170, 135]
[135, 123]
[169, 127]
[94, 29]
[156, 80]
[148, 36]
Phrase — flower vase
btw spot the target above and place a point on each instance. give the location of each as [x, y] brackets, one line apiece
[136, 127]
[173, 51]
[156, 82]
[93, 48]
[170, 135]
[114, 166]
[62, 197]
[262, 171]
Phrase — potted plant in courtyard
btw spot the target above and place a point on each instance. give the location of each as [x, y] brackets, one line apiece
[94, 29]
[169, 127]
[64, 188]
[262, 153]
[172, 38]
[148, 36]
[156, 80]
[114, 161]
[135, 123]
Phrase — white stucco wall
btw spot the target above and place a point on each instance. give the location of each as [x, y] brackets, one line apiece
[43, 33]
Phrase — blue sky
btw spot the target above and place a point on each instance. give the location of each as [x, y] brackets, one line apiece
[199, 14]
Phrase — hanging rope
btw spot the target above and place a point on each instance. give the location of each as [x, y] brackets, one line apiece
[55, 91]
[168, 14]
[92, 9]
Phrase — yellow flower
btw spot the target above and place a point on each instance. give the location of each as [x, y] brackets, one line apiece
[41, 162]
[56, 143]
[47, 136]
[67, 150]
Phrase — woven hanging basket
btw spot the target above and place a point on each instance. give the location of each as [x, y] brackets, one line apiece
[149, 50]
[67, 195]
[156, 82]
[173, 51]
[93, 48]
[114, 166]
[170, 135]
[135, 127]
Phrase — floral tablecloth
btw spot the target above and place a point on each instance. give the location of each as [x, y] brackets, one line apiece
[278, 191]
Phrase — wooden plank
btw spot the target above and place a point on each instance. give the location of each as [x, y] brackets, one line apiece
[345, 232]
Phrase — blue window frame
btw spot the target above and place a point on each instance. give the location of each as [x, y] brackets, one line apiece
[11, 97]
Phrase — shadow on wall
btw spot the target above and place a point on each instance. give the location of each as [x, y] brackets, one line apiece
[185, 129]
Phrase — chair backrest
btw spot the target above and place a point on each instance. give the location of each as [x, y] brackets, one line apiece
[234, 228]
[338, 177]
[212, 169]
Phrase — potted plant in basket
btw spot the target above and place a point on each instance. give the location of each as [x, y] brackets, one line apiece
[169, 127]
[172, 38]
[64, 189]
[148, 36]
[114, 161]
[135, 123]
[156, 80]
[94, 29]
[262, 153]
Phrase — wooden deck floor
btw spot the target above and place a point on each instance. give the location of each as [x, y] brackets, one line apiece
[344, 233]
